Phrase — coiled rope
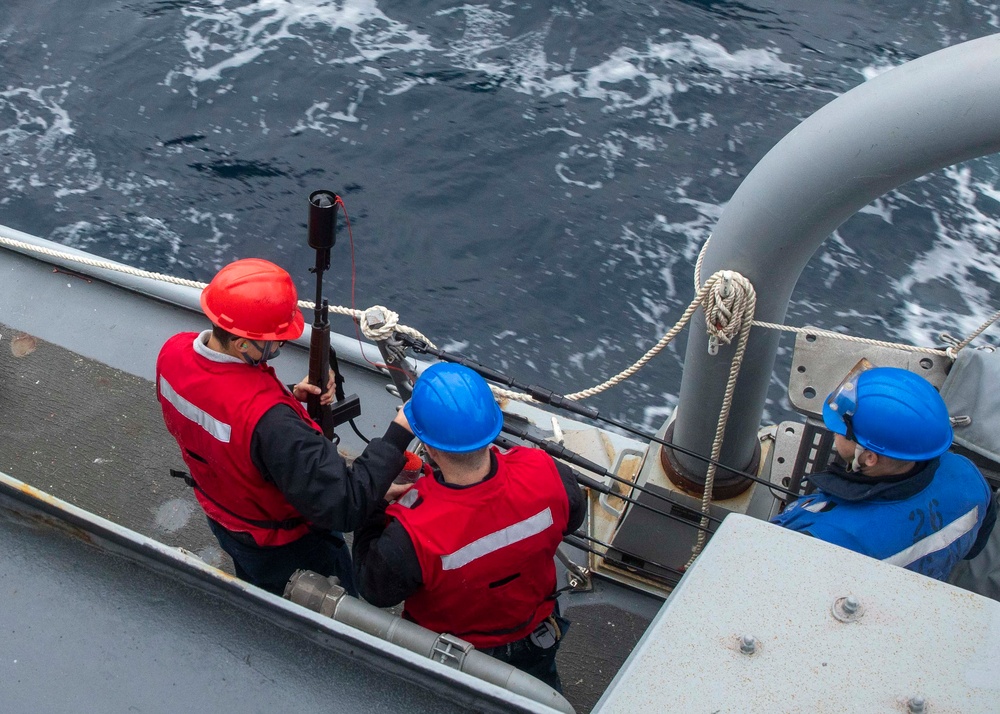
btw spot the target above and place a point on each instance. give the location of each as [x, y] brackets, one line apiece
[728, 312]
[839, 336]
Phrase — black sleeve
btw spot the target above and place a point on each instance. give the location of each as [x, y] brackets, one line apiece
[575, 494]
[989, 523]
[310, 472]
[386, 568]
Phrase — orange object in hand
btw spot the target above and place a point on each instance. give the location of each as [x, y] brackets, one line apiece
[412, 469]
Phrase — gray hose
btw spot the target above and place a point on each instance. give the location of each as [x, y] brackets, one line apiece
[325, 596]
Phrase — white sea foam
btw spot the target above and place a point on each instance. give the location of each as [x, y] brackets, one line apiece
[320, 118]
[964, 256]
[220, 38]
[657, 67]
[654, 258]
[133, 239]
[653, 417]
[212, 220]
[989, 8]
[627, 79]
[38, 115]
[39, 134]
[872, 71]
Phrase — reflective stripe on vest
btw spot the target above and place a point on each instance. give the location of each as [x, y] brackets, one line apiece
[936, 541]
[409, 498]
[497, 540]
[487, 552]
[206, 421]
[212, 408]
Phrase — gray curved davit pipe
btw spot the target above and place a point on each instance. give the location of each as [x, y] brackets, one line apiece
[922, 116]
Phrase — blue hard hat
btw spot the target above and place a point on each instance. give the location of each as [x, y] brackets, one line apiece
[452, 409]
[892, 412]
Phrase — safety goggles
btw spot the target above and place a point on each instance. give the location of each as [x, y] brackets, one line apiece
[844, 399]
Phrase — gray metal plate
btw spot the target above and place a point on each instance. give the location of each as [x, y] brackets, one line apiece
[915, 638]
[787, 439]
[820, 362]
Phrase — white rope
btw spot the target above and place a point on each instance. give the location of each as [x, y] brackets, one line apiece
[728, 313]
[865, 340]
[964, 343]
[950, 352]
[390, 322]
[720, 323]
[117, 267]
[391, 318]
[718, 316]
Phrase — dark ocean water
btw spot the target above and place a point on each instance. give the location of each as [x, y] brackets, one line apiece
[529, 182]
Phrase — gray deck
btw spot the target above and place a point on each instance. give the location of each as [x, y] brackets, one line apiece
[92, 436]
[89, 631]
[103, 448]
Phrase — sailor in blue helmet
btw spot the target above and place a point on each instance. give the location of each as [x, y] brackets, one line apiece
[903, 497]
[470, 547]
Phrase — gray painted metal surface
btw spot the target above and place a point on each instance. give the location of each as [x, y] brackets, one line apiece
[910, 637]
[820, 363]
[929, 113]
[99, 618]
[91, 311]
[179, 295]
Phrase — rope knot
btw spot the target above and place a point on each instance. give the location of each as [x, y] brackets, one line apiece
[379, 323]
[729, 303]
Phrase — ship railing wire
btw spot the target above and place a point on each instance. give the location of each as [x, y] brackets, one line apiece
[728, 300]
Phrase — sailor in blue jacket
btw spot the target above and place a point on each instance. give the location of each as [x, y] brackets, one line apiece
[903, 498]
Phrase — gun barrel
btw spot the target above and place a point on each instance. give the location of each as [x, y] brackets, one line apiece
[319, 370]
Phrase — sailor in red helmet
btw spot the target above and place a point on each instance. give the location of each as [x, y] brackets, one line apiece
[275, 490]
[470, 547]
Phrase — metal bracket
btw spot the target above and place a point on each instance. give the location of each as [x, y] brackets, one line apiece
[450, 650]
[577, 577]
[799, 449]
[819, 362]
[626, 466]
[393, 353]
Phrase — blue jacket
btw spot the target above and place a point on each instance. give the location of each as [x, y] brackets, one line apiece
[925, 520]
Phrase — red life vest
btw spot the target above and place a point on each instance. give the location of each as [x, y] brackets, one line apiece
[212, 408]
[486, 552]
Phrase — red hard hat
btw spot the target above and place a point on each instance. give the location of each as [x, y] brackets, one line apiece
[254, 298]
